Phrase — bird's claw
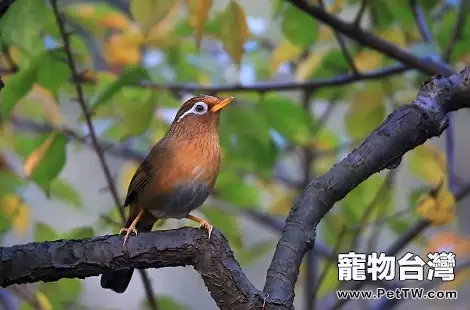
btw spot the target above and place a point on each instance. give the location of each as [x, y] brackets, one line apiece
[128, 231]
[208, 227]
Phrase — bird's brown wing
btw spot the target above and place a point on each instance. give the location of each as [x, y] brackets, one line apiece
[139, 181]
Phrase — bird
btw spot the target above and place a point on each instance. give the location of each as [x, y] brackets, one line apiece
[176, 177]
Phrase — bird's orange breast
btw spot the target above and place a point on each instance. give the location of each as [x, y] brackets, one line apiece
[188, 161]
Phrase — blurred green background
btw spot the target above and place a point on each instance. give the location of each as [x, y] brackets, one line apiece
[305, 96]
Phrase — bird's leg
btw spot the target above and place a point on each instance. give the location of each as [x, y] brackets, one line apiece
[131, 228]
[203, 223]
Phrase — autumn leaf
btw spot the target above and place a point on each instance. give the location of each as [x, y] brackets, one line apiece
[149, 12]
[127, 174]
[124, 48]
[47, 160]
[284, 52]
[438, 207]
[308, 66]
[233, 31]
[19, 212]
[368, 60]
[198, 14]
[366, 112]
[428, 163]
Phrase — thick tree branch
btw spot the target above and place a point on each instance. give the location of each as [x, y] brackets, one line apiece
[406, 128]
[50, 261]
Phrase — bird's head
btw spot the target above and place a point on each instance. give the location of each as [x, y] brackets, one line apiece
[198, 114]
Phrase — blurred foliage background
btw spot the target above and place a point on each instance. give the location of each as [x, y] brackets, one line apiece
[305, 96]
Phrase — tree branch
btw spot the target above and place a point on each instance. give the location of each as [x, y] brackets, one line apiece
[406, 128]
[421, 21]
[370, 40]
[50, 261]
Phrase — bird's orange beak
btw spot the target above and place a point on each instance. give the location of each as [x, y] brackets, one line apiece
[221, 104]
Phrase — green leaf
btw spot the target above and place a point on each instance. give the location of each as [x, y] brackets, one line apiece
[79, 233]
[231, 188]
[52, 70]
[227, 223]
[62, 190]
[45, 163]
[9, 182]
[177, 58]
[23, 22]
[286, 117]
[149, 12]
[404, 17]
[254, 252]
[332, 226]
[299, 27]
[198, 15]
[233, 30]
[130, 76]
[18, 86]
[366, 112]
[330, 282]
[44, 232]
[359, 199]
[164, 302]
[5, 223]
[62, 292]
[246, 140]
[139, 111]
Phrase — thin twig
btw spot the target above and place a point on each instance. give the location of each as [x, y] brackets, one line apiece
[329, 263]
[342, 45]
[98, 149]
[360, 14]
[421, 21]
[370, 208]
[457, 32]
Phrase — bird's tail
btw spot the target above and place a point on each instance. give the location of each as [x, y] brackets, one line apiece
[119, 280]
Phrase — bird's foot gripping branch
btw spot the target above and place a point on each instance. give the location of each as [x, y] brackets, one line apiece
[403, 130]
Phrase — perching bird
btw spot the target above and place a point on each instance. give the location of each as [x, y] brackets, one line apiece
[176, 177]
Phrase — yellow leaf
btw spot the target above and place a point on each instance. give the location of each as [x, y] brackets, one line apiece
[124, 48]
[282, 53]
[234, 30]
[204, 79]
[438, 208]
[43, 301]
[18, 211]
[366, 112]
[127, 174]
[162, 28]
[308, 66]
[198, 14]
[325, 33]
[149, 12]
[368, 60]
[394, 35]
[428, 163]
[47, 105]
[38, 154]
[282, 202]
[115, 21]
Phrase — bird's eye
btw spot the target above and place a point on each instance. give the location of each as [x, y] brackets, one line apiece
[199, 108]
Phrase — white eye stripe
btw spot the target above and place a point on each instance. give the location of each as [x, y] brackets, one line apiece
[198, 108]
